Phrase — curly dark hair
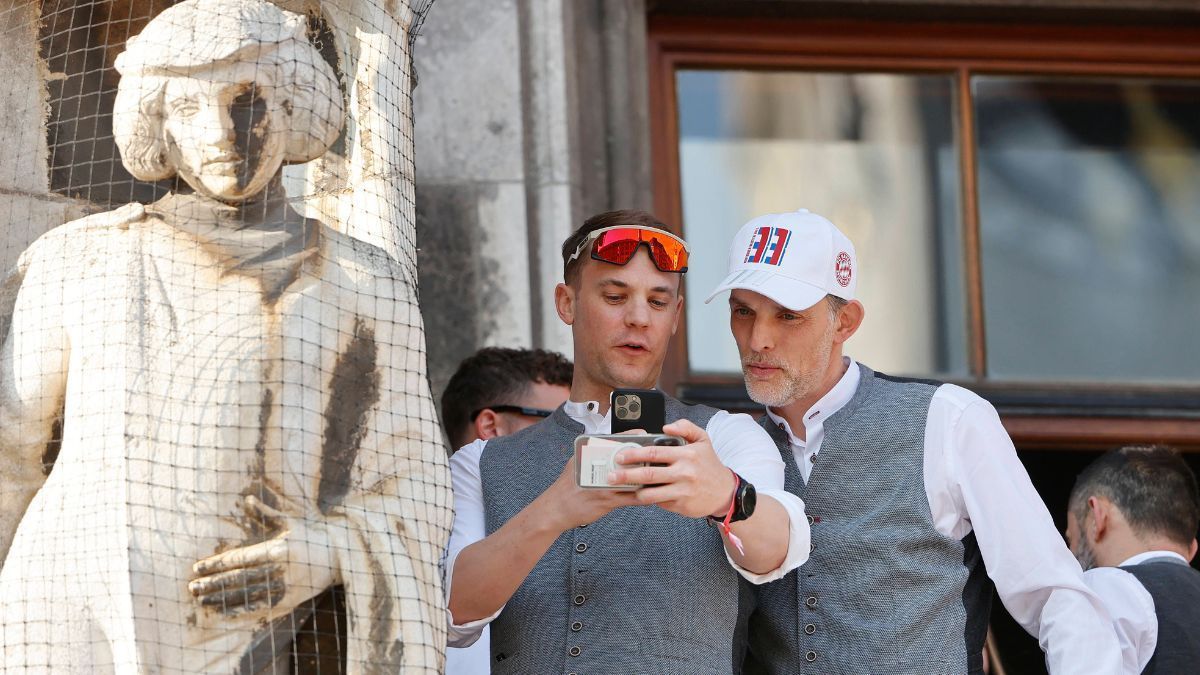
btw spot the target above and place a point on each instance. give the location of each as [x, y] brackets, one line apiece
[496, 376]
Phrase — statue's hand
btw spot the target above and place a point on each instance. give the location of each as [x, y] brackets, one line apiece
[260, 575]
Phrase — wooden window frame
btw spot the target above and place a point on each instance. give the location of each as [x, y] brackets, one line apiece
[1050, 415]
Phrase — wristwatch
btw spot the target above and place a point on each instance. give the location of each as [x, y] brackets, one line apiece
[742, 507]
[744, 500]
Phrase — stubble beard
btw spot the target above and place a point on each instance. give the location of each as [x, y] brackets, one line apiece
[1086, 556]
[792, 386]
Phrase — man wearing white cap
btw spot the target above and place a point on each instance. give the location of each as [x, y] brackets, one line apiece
[913, 489]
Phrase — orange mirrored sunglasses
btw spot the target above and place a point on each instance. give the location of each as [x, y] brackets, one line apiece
[617, 245]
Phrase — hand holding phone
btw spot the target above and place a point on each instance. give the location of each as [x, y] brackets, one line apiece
[689, 480]
[594, 457]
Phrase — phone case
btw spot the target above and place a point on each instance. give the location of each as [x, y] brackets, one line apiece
[593, 456]
[644, 409]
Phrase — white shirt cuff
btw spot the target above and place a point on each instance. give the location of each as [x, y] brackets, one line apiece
[798, 539]
[462, 634]
[466, 634]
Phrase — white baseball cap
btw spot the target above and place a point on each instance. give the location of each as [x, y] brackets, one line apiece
[794, 259]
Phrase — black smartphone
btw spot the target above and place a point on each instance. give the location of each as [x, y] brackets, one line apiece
[644, 409]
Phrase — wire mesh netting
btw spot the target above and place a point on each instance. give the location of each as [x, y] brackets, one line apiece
[218, 450]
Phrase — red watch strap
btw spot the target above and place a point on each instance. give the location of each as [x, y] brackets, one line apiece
[724, 525]
[737, 482]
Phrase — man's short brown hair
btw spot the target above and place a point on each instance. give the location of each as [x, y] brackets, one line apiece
[625, 218]
[1153, 487]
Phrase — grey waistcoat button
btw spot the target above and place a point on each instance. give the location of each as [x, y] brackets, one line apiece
[580, 599]
[810, 657]
[809, 629]
[580, 547]
[811, 520]
[577, 626]
[575, 651]
[811, 601]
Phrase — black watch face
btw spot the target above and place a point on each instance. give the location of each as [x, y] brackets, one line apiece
[747, 498]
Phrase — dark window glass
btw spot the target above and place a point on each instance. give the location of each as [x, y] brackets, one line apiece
[1089, 200]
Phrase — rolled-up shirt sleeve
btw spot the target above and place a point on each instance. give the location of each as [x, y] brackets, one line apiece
[744, 446]
[1037, 578]
[469, 527]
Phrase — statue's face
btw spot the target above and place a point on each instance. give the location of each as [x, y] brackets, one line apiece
[219, 134]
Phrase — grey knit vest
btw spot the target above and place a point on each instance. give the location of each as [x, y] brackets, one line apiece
[1175, 588]
[882, 591]
[641, 590]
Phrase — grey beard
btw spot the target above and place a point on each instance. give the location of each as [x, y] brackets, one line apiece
[771, 398]
[1086, 556]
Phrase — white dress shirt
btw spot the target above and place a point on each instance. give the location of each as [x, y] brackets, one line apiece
[740, 443]
[975, 482]
[1131, 607]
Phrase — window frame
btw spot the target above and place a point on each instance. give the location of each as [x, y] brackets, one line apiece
[1050, 414]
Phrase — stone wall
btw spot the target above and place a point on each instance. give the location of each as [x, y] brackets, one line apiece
[27, 207]
[530, 116]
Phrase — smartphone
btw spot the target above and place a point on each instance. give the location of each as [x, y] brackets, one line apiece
[644, 409]
[594, 457]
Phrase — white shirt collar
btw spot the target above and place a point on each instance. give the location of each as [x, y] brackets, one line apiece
[834, 400]
[588, 414]
[1148, 555]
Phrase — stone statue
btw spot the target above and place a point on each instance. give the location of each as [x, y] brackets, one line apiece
[212, 408]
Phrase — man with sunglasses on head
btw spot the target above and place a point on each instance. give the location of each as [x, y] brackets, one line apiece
[495, 392]
[914, 489]
[568, 579]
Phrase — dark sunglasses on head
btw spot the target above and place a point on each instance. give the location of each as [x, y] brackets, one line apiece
[532, 412]
[617, 245]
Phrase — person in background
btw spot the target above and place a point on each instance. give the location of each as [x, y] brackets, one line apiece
[495, 392]
[1131, 521]
[499, 390]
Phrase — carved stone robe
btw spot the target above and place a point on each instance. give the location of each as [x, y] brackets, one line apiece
[171, 381]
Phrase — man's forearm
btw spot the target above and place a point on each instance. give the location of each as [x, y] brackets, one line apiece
[488, 572]
[764, 537]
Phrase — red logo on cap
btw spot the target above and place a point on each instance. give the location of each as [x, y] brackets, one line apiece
[842, 269]
[768, 245]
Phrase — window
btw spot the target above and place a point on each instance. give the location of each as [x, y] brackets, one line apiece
[875, 153]
[1089, 214]
[1025, 202]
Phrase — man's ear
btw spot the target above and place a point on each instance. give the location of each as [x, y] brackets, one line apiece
[564, 303]
[848, 321]
[678, 313]
[1100, 522]
[1192, 551]
[487, 424]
